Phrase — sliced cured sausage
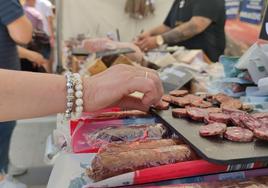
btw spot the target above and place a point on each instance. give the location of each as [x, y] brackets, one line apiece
[162, 106]
[261, 133]
[250, 122]
[238, 134]
[166, 98]
[201, 104]
[179, 93]
[260, 115]
[179, 113]
[233, 103]
[213, 110]
[212, 129]
[219, 117]
[197, 114]
[180, 101]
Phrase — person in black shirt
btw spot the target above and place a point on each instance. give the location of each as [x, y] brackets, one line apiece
[194, 24]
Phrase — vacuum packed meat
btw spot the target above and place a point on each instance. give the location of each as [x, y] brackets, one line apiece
[104, 166]
[117, 147]
[128, 133]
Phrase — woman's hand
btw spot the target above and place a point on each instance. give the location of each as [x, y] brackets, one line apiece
[114, 86]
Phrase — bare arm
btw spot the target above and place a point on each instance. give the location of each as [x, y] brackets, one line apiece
[159, 30]
[28, 95]
[186, 30]
[34, 57]
[21, 30]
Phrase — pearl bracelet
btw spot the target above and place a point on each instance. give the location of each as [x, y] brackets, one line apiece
[74, 88]
[78, 94]
[70, 95]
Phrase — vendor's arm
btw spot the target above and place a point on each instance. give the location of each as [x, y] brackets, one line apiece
[187, 30]
[182, 32]
[153, 32]
[28, 95]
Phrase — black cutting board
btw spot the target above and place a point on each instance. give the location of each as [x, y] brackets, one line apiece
[215, 150]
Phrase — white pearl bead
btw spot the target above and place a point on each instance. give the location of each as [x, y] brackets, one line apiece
[79, 94]
[70, 91]
[79, 109]
[69, 104]
[78, 87]
[79, 102]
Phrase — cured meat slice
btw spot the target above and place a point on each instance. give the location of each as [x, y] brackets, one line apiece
[208, 121]
[180, 113]
[250, 122]
[212, 129]
[201, 104]
[180, 101]
[220, 98]
[238, 134]
[264, 121]
[228, 110]
[121, 114]
[192, 97]
[261, 133]
[117, 147]
[179, 93]
[108, 165]
[213, 110]
[233, 103]
[162, 106]
[219, 117]
[166, 98]
[197, 114]
[235, 119]
[260, 115]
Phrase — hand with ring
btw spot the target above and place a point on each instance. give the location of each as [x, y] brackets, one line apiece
[114, 86]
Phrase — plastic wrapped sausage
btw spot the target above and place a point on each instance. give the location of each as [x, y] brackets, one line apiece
[108, 165]
[128, 133]
[117, 147]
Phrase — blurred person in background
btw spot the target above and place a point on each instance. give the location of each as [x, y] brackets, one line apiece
[15, 29]
[31, 56]
[194, 24]
[45, 7]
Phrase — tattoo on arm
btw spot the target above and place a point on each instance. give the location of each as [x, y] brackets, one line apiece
[181, 33]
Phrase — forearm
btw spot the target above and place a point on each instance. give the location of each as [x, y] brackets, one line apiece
[23, 52]
[159, 30]
[180, 33]
[27, 95]
[186, 30]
